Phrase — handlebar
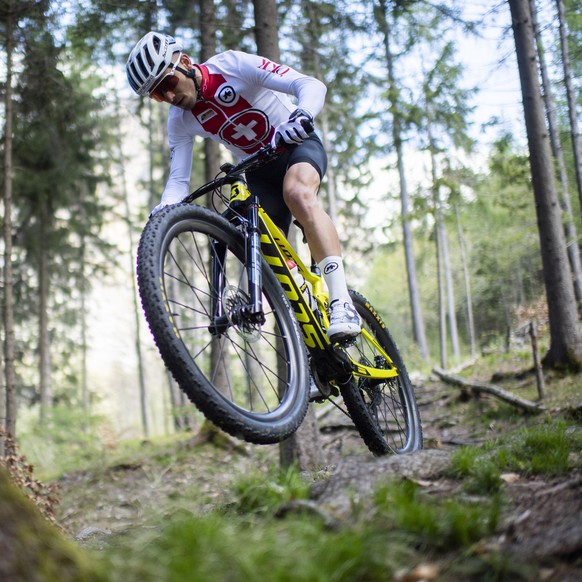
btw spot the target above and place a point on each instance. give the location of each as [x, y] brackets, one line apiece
[261, 157]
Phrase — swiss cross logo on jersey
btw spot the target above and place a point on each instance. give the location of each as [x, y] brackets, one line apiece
[227, 114]
[246, 129]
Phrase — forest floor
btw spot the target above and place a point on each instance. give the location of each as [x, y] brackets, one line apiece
[538, 535]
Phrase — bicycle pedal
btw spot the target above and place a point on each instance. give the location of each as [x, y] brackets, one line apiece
[347, 342]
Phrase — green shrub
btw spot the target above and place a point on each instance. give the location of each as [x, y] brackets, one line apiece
[265, 492]
[444, 524]
[218, 548]
[68, 440]
[539, 450]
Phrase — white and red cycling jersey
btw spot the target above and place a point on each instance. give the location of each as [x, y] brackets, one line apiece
[244, 98]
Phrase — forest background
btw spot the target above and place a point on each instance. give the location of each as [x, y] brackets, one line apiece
[429, 183]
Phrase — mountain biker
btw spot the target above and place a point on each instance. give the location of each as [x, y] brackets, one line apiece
[242, 102]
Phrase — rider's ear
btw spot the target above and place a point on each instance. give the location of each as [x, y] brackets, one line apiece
[185, 60]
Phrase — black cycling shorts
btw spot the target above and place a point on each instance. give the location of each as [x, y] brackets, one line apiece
[267, 181]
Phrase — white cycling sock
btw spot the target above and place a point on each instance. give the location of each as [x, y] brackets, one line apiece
[332, 269]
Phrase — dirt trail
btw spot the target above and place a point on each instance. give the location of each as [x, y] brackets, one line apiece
[541, 521]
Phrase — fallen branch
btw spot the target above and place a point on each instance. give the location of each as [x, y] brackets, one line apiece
[526, 405]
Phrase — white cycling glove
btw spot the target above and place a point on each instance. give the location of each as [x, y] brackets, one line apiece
[295, 130]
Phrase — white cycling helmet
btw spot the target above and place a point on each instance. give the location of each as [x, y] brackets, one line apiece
[149, 59]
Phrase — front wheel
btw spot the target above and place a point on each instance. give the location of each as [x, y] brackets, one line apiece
[384, 411]
[247, 376]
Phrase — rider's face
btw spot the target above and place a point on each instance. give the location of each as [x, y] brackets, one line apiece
[176, 88]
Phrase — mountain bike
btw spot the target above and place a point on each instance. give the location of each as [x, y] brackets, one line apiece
[245, 342]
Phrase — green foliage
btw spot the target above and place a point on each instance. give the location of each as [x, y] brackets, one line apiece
[444, 524]
[215, 547]
[33, 549]
[263, 493]
[69, 440]
[481, 473]
[543, 449]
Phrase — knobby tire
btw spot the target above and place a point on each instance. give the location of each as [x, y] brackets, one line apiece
[249, 379]
[385, 412]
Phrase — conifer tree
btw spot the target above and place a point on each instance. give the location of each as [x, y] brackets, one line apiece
[565, 337]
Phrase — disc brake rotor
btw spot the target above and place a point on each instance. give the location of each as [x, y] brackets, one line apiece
[235, 302]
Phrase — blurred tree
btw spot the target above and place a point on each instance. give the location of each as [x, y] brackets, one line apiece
[565, 337]
[570, 95]
[558, 154]
[55, 143]
[383, 18]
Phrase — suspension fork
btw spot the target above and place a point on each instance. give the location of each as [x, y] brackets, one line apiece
[219, 317]
[248, 204]
[253, 260]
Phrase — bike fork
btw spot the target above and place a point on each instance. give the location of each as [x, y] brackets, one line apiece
[251, 312]
[253, 253]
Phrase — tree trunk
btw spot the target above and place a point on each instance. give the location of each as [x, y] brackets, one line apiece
[219, 360]
[32, 548]
[441, 298]
[565, 337]
[10, 376]
[418, 327]
[571, 96]
[444, 263]
[303, 447]
[323, 118]
[266, 29]
[83, 289]
[46, 399]
[143, 397]
[562, 174]
[467, 278]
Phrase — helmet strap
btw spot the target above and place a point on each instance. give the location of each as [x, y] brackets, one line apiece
[191, 74]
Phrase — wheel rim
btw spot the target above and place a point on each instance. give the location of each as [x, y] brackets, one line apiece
[248, 365]
[385, 400]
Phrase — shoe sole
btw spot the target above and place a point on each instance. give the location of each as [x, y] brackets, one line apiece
[343, 335]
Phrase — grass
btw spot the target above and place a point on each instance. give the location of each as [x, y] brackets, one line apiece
[260, 494]
[235, 535]
[215, 547]
[549, 449]
[436, 523]
[243, 540]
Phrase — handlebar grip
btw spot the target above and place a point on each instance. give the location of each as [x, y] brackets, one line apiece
[307, 125]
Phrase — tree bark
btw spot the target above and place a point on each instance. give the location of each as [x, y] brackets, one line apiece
[143, 395]
[571, 97]
[219, 360]
[329, 186]
[562, 175]
[467, 279]
[33, 549]
[418, 327]
[9, 373]
[565, 337]
[446, 294]
[266, 29]
[303, 447]
[45, 388]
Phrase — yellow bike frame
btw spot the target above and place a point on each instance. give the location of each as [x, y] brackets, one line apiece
[275, 249]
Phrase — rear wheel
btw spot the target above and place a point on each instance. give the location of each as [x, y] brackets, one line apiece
[248, 377]
[384, 411]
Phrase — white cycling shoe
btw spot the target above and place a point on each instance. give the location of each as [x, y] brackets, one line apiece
[344, 321]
